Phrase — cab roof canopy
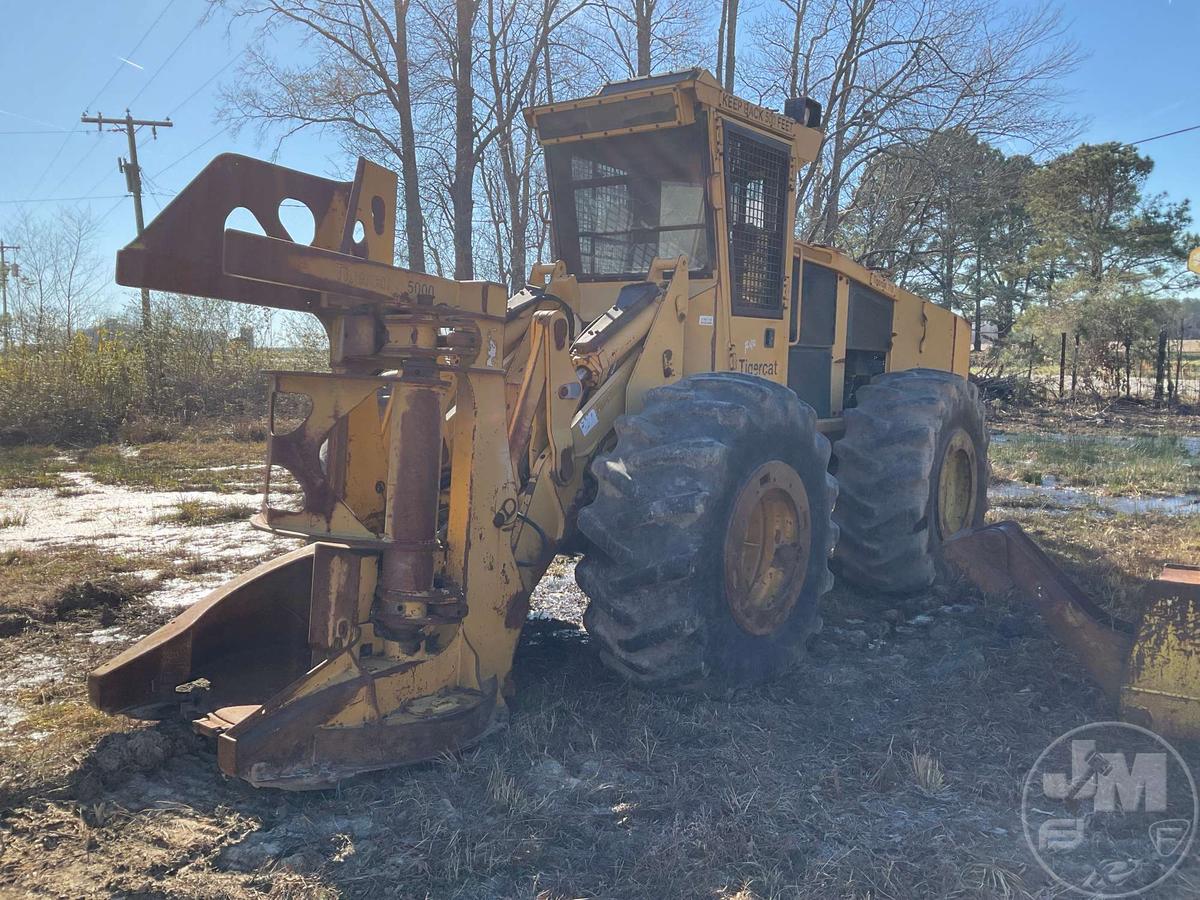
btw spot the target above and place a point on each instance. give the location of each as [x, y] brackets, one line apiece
[663, 100]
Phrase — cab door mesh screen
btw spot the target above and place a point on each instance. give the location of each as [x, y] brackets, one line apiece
[756, 193]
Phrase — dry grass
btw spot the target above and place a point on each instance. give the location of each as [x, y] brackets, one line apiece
[927, 773]
[1103, 419]
[198, 512]
[799, 789]
[55, 582]
[18, 519]
[203, 464]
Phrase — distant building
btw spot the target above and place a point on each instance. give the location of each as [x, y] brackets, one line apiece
[988, 333]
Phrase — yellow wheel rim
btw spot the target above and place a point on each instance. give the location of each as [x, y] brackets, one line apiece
[958, 485]
[767, 546]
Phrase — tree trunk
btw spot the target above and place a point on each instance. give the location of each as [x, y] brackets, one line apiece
[547, 73]
[978, 301]
[462, 193]
[644, 13]
[721, 41]
[1128, 371]
[414, 216]
[1160, 367]
[730, 42]
[794, 61]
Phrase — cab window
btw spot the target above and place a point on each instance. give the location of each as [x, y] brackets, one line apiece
[619, 202]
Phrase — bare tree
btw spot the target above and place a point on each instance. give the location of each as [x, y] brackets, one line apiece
[513, 36]
[730, 22]
[650, 35]
[893, 73]
[357, 79]
[408, 82]
[62, 275]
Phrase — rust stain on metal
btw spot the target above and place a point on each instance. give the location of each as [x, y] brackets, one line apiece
[517, 611]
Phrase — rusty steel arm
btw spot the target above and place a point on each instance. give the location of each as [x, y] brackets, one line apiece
[182, 250]
[1001, 558]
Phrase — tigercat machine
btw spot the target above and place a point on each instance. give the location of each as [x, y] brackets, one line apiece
[670, 387]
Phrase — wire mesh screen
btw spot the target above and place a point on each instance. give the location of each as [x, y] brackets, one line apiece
[756, 176]
[624, 200]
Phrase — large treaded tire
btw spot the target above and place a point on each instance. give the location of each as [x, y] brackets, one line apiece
[888, 465]
[657, 527]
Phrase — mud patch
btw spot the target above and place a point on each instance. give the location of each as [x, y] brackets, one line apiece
[106, 593]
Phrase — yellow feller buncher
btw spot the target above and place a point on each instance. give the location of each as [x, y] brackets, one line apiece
[670, 388]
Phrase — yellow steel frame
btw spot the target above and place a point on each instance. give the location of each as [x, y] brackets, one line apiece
[411, 636]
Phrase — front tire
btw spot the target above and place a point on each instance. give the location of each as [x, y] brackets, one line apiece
[711, 534]
[913, 471]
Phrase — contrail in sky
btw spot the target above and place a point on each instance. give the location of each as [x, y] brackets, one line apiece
[130, 62]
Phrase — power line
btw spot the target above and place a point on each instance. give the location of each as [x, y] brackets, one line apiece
[145, 85]
[64, 199]
[1166, 135]
[117, 71]
[207, 82]
[110, 210]
[163, 64]
[157, 71]
[45, 131]
[198, 147]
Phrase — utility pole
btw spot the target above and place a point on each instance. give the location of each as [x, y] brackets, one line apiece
[4, 270]
[133, 177]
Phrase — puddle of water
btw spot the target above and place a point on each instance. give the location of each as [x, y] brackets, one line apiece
[1066, 498]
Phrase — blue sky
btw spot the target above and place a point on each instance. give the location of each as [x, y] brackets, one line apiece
[57, 57]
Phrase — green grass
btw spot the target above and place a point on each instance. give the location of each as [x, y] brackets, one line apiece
[32, 466]
[178, 465]
[1156, 464]
[197, 512]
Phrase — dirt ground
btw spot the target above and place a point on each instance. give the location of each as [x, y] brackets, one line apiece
[889, 765]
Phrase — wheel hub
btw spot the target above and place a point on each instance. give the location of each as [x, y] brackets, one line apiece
[957, 486]
[767, 546]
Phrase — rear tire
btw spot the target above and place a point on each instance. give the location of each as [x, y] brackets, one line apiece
[913, 470]
[676, 501]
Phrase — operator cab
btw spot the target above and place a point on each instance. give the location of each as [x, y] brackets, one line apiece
[619, 202]
[672, 166]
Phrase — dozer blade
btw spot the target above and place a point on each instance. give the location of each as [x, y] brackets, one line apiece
[1001, 558]
[1152, 671]
[1162, 688]
[244, 655]
[248, 639]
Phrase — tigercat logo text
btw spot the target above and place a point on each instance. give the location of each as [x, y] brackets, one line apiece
[765, 369]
